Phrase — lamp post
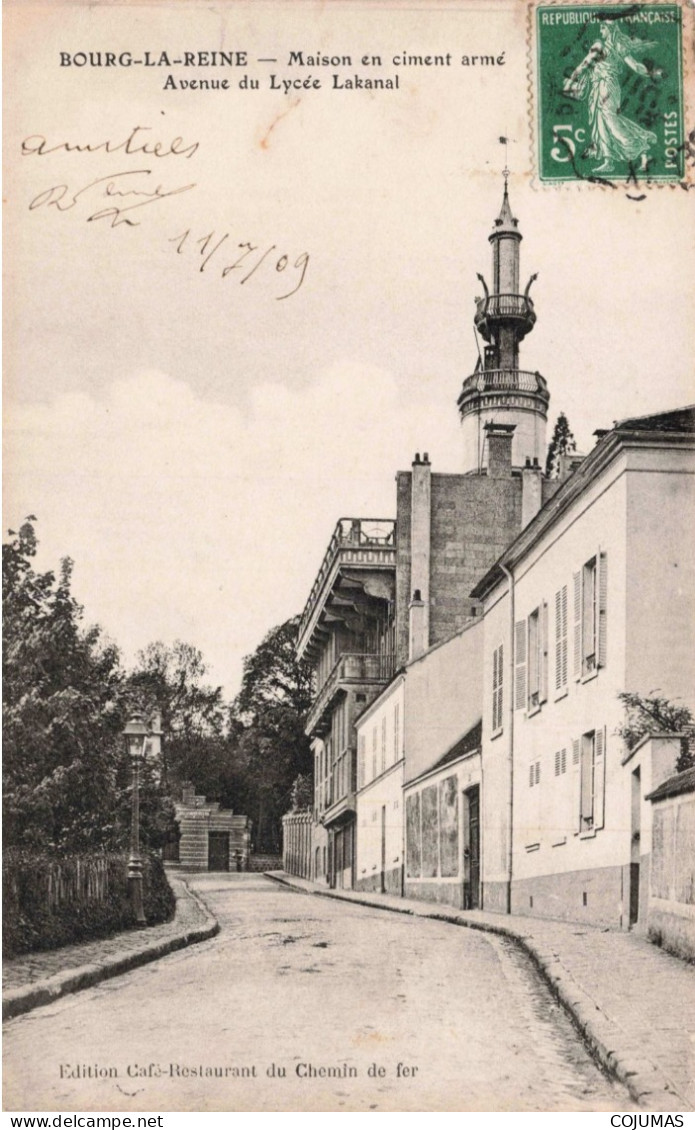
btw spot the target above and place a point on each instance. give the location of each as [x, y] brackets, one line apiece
[135, 733]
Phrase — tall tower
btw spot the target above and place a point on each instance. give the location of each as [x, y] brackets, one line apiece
[499, 392]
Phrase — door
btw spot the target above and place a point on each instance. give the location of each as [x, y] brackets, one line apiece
[471, 848]
[218, 851]
[636, 805]
[383, 849]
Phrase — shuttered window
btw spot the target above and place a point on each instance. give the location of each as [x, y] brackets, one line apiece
[361, 759]
[590, 616]
[520, 664]
[591, 779]
[497, 688]
[383, 743]
[561, 639]
[396, 730]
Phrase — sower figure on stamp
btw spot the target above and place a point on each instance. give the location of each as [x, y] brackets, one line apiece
[597, 79]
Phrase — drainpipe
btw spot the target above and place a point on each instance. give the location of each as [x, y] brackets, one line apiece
[510, 577]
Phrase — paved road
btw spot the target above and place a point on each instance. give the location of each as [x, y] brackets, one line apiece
[302, 1004]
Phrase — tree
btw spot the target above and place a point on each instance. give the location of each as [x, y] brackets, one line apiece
[652, 714]
[272, 749]
[62, 710]
[171, 682]
[561, 443]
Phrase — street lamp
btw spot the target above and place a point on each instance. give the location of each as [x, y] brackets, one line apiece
[135, 734]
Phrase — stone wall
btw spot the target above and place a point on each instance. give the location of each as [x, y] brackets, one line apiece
[671, 914]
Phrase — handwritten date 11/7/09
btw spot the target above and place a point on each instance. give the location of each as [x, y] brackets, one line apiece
[240, 261]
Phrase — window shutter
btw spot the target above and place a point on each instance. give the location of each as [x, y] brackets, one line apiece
[577, 581]
[576, 785]
[602, 588]
[543, 653]
[520, 664]
[500, 685]
[361, 761]
[531, 775]
[494, 690]
[558, 640]
[599, 777]
[557, 764]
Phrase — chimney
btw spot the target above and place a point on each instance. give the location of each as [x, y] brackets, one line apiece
[568, 463]
[420, 532]
[531, 491]
[417, 641]
[499, 449]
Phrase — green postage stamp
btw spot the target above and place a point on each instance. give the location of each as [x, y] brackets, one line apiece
[609, 88]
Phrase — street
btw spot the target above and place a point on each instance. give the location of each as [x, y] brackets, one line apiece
[309, 1004]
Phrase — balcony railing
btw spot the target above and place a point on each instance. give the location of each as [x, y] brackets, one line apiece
[368, 541]
[514, 380]
[351, 667]
[506, 306]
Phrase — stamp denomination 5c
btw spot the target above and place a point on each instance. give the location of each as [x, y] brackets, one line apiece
[609, 92]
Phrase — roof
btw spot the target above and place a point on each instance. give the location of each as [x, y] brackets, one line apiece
[679, 420]
[471, 740]
[681, 783]
[675, 427]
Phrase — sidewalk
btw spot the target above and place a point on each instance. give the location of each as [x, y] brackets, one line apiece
[633, 1003]
[39, 978]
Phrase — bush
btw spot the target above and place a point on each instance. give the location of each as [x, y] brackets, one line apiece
[50, 902]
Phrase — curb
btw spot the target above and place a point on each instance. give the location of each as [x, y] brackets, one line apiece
[644, 1082]
[23, 999]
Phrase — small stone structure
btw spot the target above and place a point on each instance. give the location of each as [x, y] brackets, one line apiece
[671, 914]
[211, 838]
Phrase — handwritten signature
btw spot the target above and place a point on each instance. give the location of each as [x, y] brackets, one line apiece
[38, 145]
[112, 187]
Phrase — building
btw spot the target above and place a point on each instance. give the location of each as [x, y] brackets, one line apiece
[211, 838]
[595, 597]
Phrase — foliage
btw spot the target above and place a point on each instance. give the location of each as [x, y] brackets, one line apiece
[50, 902]
[171, 681]
[652, 714]
[66, 777]
[561, 443]
[271, 747]
[302, 792]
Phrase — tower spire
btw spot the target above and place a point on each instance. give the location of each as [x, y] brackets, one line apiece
[501, 392]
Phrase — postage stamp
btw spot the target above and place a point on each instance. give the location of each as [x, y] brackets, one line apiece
[609, 92]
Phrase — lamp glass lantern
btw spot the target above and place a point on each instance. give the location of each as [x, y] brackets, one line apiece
[136, 732]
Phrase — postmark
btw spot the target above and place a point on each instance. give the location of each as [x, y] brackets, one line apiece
[609, 93]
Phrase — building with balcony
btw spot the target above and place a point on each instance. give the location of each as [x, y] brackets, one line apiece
[346, 633]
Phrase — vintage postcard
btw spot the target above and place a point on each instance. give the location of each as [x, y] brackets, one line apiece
[355, 338]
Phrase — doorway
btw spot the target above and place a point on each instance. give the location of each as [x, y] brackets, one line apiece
[218, 851]
[635, 830]
[471, 848]
[383, 849]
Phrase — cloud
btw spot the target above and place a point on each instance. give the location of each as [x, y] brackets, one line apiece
[192, 519]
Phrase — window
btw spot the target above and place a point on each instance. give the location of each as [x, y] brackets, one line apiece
[560, 762]
[590, 590]
[396, 730]
[589, 766]
[531, 662]
[561, 640]
[361, 760]
[534, 774]
[497, 688]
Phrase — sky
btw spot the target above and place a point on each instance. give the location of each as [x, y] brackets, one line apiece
[190, 439]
